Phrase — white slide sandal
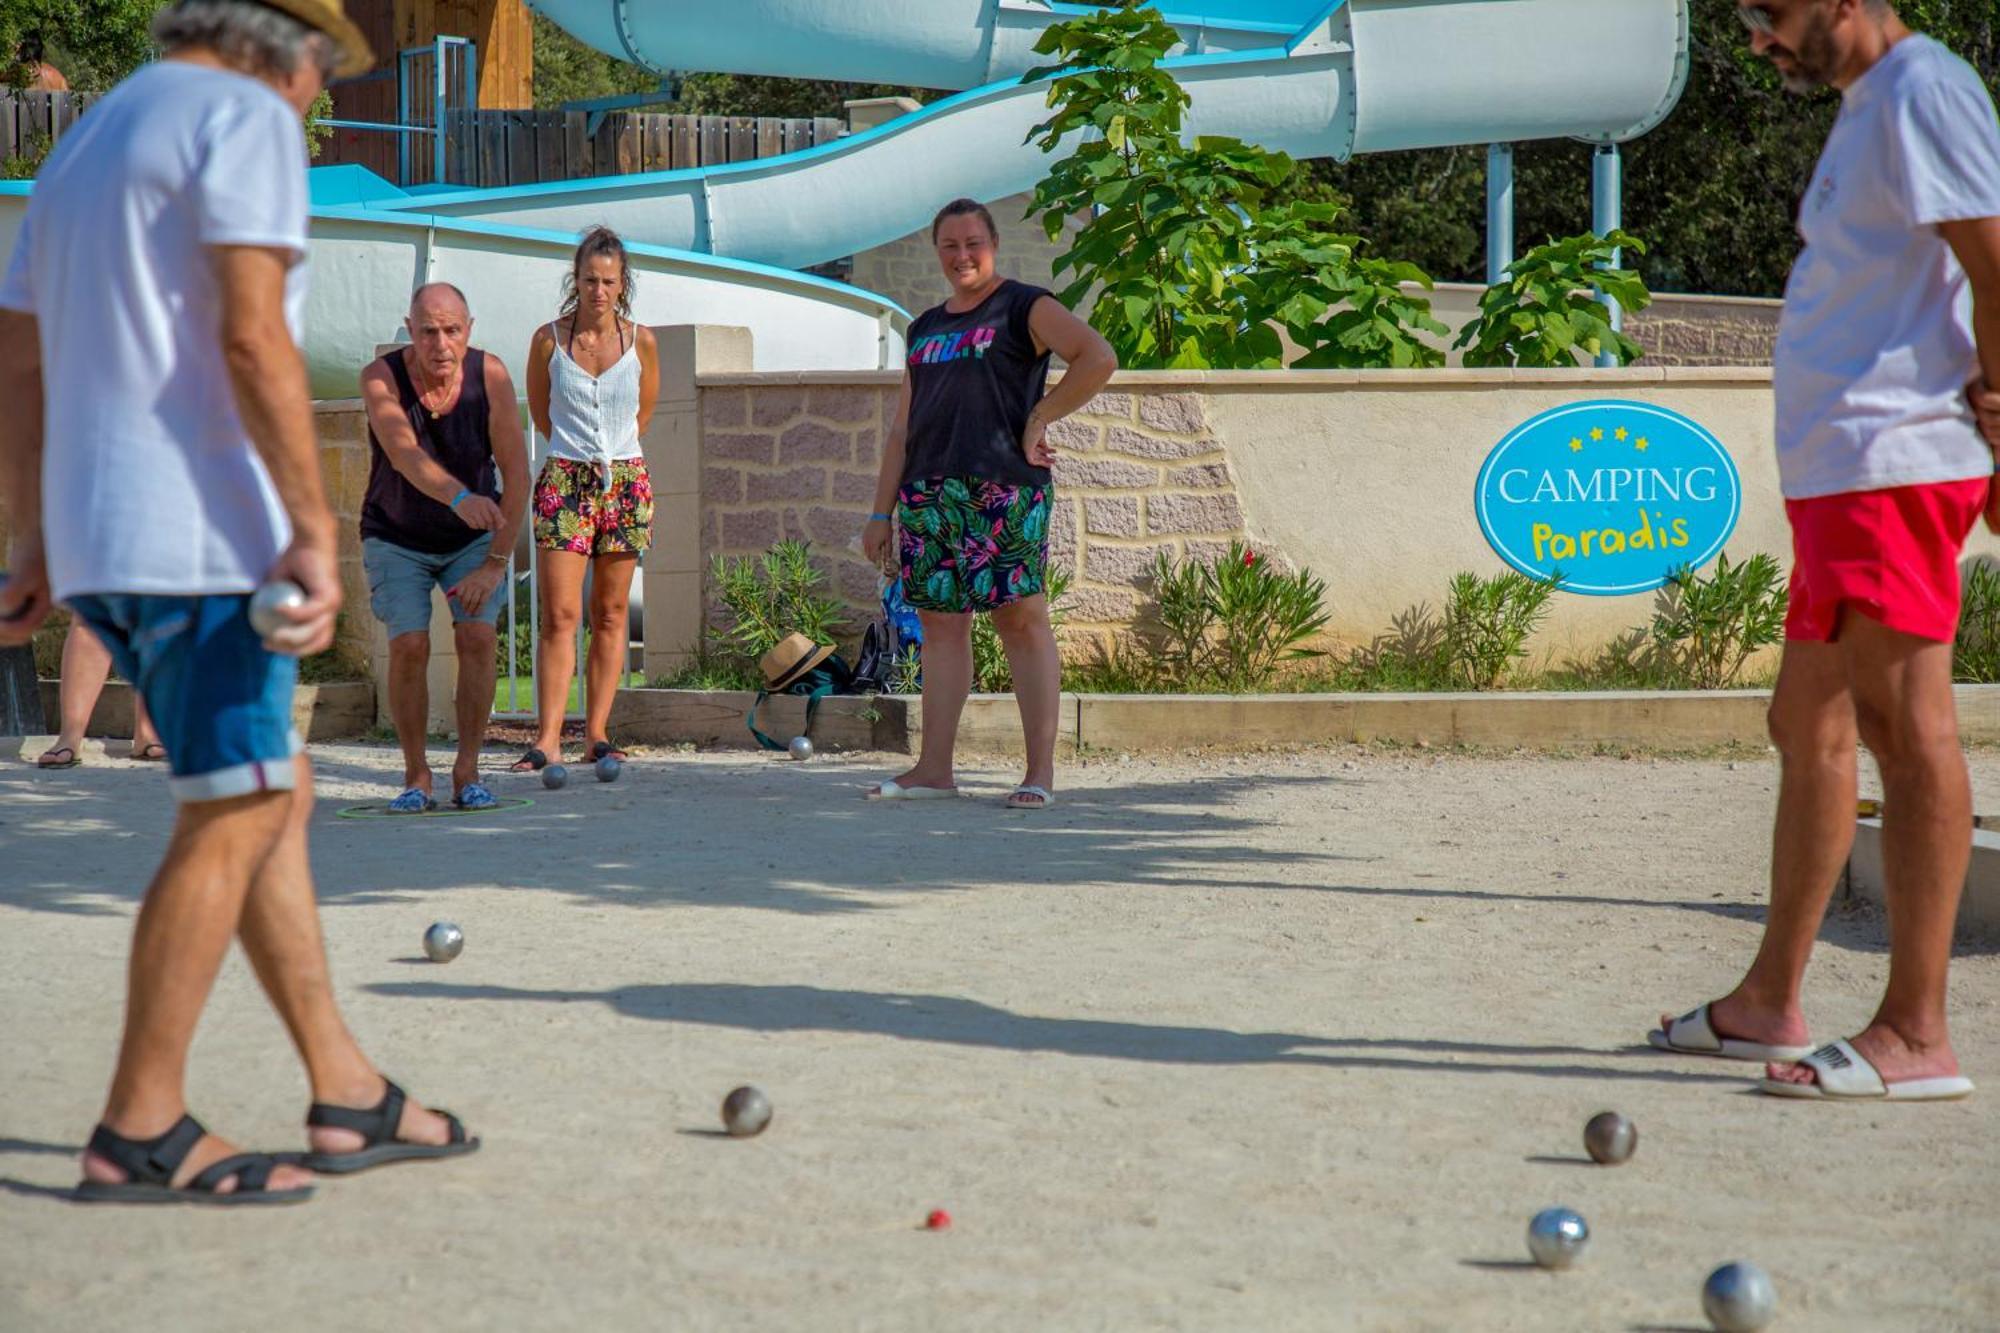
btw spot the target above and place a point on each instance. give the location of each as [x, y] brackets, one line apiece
[1844, 1075]
[1693, 1034]
[1014, 801]
[890, 790]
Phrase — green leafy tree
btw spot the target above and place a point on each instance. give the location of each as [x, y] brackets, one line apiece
[95, 43]
[1545, 311]
[1199, 254]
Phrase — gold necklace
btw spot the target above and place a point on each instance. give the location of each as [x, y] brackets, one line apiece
[424, 393]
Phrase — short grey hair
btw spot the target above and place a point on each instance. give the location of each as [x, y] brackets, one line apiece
[250, 37]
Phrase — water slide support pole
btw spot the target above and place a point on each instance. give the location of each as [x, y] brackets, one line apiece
[1499, 210]
[1607, 212]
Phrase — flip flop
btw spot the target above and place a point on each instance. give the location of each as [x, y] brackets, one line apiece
[413, 801]
[377, 1128]
[534, 761]
[1015, 801]
[1693, 1034]
[891, 790]
[149, 1165]
[602, 748]
[151, 753]
[1844, 1075]
[52, 751]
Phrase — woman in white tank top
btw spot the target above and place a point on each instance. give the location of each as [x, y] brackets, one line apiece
[593, 377]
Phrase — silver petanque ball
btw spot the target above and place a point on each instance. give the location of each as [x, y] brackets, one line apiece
[1739, 1298]
[608, 769]
[555, 777]
[745, 1112]
[1557, 1237]
[802, 747]
[266, 602]
[443, 942]
[1610, 1138]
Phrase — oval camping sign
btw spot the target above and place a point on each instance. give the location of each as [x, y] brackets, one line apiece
[1610, 496]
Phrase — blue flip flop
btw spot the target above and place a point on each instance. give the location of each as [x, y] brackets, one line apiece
[474, 796]
[412, 801]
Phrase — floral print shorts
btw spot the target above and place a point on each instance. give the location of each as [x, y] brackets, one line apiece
[970, 545]
[576, 512]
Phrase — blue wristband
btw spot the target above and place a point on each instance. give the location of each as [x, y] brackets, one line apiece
[456, 498]
[879, 518]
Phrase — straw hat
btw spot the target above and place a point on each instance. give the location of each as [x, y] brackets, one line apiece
[330, 17]
[794, 656]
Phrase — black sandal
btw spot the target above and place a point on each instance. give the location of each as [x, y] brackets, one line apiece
[534, 761]
[603, 748]
[149, 1166]
[377, 1128]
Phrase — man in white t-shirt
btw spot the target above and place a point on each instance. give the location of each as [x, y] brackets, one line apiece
[1890, 335]
[157, 411]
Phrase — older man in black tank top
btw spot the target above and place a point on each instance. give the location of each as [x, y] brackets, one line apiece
[447, 487]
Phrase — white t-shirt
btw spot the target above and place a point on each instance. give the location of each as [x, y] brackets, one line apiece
[149, 482]
[1875, 347]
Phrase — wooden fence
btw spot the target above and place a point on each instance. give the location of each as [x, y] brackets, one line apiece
[30, 123]
[486, 149]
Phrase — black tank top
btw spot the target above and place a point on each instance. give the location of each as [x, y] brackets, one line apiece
[974, 377]
[461, 442]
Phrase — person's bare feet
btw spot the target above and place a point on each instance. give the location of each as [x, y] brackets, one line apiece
[921, 777]
[1895, 1057]
[207, 1150]
[1736, 1018]
[417, 1125]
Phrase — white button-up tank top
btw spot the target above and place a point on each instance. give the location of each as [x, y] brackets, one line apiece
[594, 418]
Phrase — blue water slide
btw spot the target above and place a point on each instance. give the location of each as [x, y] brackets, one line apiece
[1314, 79]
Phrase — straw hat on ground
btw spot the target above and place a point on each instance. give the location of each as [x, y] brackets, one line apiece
[794, 656]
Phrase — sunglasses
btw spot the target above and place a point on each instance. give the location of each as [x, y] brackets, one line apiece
[1758, 19]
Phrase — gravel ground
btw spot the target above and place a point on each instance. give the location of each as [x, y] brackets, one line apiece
[1269, 1042]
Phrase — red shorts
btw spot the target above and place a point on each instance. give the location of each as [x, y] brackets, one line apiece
[1890, 554]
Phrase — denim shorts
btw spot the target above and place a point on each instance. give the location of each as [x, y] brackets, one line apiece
[221, 700]
[400, 582]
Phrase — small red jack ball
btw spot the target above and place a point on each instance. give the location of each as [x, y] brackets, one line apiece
[939, 1220]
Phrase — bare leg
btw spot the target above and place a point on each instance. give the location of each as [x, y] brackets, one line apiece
[190, 911]
[561, 590]
[1902, 695]
[86, 663]
[947, 680]
[1812, 724]
[1036, 664]
[281, 935]
[476, 673]
[144, 737]
[410, 703]
[610, 599]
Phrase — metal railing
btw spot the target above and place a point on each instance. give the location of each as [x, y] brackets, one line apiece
[423, 97]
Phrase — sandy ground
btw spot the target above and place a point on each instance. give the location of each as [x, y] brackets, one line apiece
[1278, 1042]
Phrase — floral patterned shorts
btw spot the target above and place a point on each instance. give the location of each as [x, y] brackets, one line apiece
[970, 545]
[576, 512]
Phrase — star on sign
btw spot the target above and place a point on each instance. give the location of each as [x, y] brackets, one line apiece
[1576, 444]
[1640, 444]
[1621, 433]
[1597, 432]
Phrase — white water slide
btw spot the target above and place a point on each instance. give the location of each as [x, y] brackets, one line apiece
[1311, 78]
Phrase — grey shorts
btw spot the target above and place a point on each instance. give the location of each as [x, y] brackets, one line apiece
[400, 582]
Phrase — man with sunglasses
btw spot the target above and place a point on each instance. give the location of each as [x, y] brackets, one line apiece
[1891, 331]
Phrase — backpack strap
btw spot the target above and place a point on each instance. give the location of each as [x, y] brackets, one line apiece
[750, 721]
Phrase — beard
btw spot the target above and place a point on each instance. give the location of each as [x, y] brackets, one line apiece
[1816, 59]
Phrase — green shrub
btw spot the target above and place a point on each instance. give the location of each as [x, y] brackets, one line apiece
[1706, 628]
[1545, 311]
[1228, 625]
[1975, 652]
[1487, 625]
[769, 596]
[706, 669]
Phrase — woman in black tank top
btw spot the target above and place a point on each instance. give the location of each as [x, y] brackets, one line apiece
[966, 468]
